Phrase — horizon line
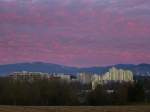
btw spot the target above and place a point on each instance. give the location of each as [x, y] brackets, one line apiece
[72, 65]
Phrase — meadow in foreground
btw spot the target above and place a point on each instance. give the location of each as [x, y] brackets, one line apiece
[75, 109]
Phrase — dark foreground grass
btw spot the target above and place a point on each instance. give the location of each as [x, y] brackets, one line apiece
[76, 109]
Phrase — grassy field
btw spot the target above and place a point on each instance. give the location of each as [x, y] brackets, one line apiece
[76, 109]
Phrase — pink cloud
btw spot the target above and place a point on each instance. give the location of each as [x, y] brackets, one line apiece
[75, 32]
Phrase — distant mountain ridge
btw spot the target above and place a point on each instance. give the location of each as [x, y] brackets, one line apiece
[141, 69]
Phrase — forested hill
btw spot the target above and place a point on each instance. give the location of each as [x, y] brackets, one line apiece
[141, 69]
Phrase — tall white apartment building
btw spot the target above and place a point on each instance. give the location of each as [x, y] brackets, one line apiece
[114, 75]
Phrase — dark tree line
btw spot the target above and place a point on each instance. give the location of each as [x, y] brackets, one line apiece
[40, 92]
[118, 94]
[58, 92]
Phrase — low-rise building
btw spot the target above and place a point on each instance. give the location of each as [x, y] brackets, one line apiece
[65, 77]
[84, 78]
[29, 75]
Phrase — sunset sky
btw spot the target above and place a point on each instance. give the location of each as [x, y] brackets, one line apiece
[75, 32]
